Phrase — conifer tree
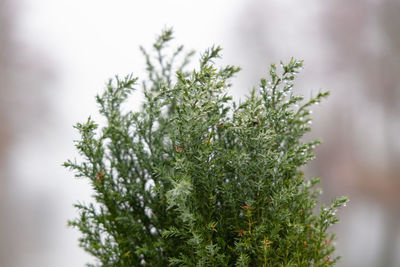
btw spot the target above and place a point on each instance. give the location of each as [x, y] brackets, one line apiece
[197, 179]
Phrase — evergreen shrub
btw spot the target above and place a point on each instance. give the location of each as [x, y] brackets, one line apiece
[197, 179]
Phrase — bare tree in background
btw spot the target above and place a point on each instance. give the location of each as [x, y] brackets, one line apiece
[366, 34]
[22, 103]
[6, 85]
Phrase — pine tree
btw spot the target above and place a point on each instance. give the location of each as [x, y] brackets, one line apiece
[197, 179]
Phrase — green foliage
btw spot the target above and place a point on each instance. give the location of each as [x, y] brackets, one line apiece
[196, 179]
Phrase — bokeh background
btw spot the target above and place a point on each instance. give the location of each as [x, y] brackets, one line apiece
[56, 55]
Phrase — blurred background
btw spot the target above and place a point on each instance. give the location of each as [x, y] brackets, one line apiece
[56, 55]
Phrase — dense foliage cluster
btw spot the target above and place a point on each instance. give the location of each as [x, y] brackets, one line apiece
[196, 179]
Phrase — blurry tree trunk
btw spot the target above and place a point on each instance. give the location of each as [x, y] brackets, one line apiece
[22, 80]
[5, 134]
